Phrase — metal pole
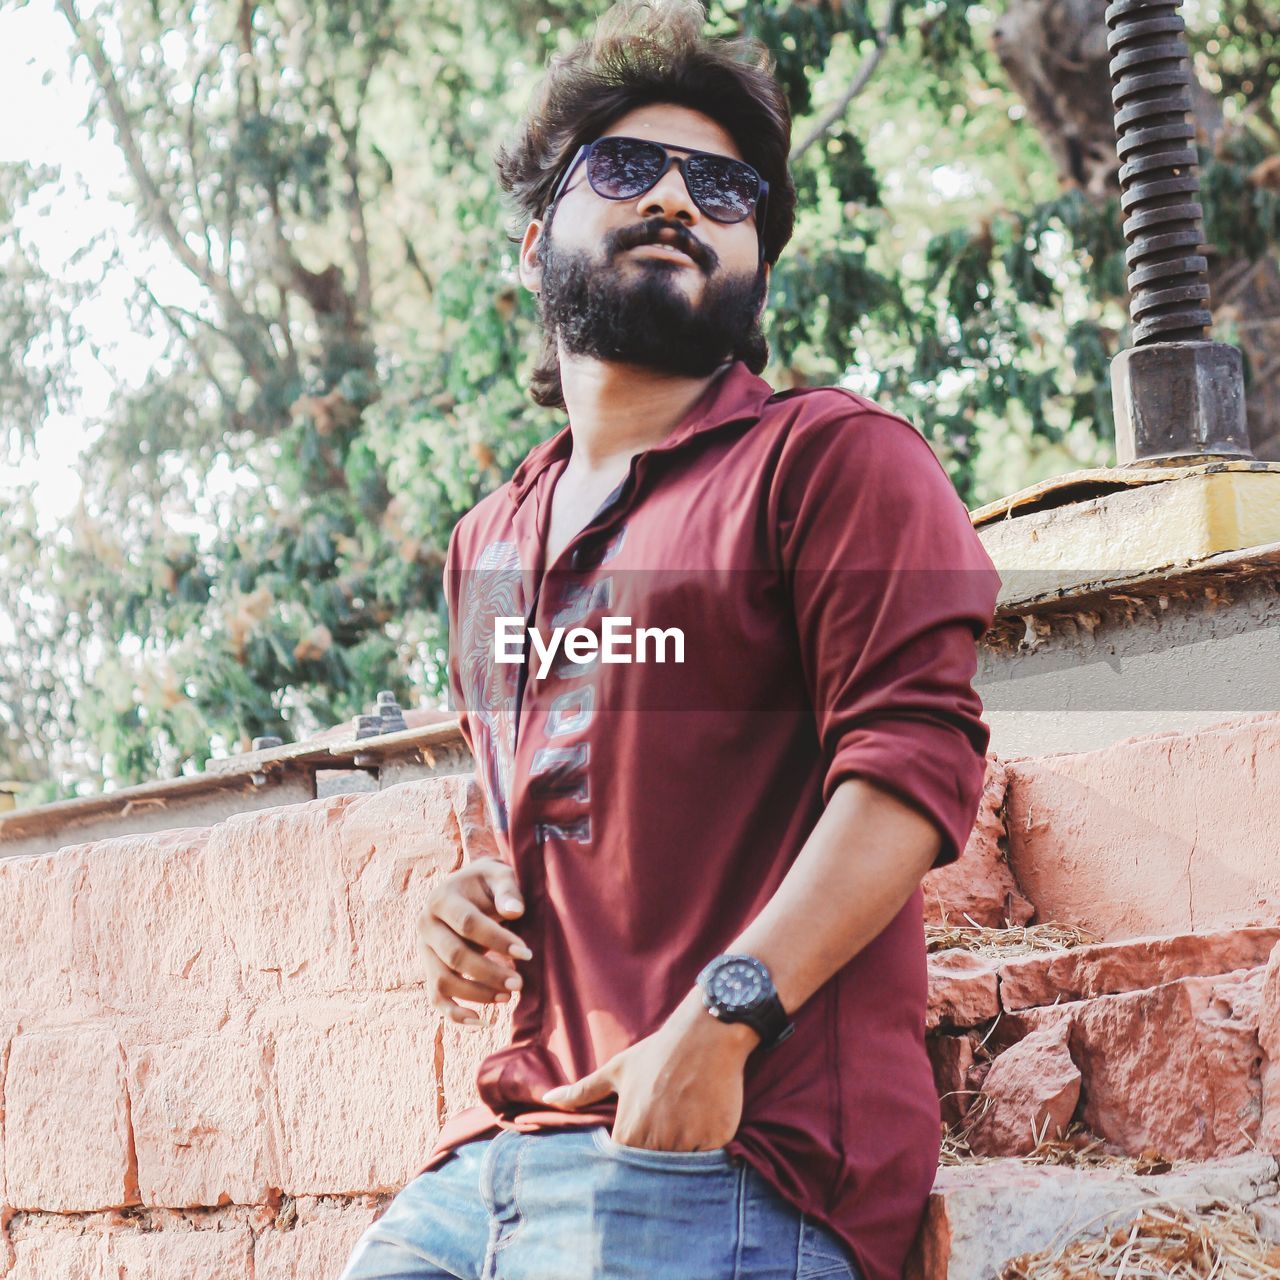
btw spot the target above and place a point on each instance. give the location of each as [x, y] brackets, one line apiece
[1178, 397]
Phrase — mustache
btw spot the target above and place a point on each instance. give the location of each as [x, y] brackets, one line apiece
[651, 232]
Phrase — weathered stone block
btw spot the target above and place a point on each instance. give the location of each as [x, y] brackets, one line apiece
[1029, 1094]
[963, 989]
[357, 1089]
[1174, 1068]
[979, 886]
[39, 919]
[411, 835]
[1150, 836]
[982, 1216]
[278, 889]
[153, 935]
[952, 1058]
[203, 1120]
[1113, 967]
[462, 1049]
[1269, 1043]
[49, 1251]
[67, 1139]
[224, 1253]
[317, 1249]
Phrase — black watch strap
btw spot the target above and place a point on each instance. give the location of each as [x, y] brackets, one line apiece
[770, 1021]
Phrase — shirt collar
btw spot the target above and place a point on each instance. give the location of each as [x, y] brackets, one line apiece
[735, 395]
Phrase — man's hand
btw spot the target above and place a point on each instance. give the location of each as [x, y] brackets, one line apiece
[468, 955]
[679, 1089]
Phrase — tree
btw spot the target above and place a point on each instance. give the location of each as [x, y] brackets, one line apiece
[258, 545]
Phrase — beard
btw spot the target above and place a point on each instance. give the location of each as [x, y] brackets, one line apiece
[641, 316]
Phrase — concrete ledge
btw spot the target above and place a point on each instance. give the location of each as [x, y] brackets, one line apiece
[1157, 520]
[252, 780]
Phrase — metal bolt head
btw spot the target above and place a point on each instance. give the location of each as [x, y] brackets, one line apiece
[388, 709]
[367, 726]
[1179, 402]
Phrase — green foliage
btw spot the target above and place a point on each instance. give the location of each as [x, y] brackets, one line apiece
[263, 522]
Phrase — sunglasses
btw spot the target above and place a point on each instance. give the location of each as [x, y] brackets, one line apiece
[619, 168]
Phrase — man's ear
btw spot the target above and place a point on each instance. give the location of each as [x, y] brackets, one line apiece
[764, 297]
[532, 248]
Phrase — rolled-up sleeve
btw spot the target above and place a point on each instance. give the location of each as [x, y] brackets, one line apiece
[891, 590]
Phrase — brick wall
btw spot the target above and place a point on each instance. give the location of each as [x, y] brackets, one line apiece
[218, 1060]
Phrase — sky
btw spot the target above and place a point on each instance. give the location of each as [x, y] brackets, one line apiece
[49, 129]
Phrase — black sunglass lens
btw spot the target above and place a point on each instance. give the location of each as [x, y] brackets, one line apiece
[725, 188]
[619, 168]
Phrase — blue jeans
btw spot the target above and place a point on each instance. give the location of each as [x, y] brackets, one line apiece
[575, 1205]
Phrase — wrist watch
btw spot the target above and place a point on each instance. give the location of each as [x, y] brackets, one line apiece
[739, 989]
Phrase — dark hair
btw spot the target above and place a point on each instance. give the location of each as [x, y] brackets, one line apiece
[644, 52]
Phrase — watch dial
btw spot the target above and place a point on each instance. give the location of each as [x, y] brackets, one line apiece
[738, 985]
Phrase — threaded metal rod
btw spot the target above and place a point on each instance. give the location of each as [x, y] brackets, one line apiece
[1151, 92]
[1179, 398]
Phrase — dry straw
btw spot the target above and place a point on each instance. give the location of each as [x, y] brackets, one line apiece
[1006, 942]
[1164, 1242]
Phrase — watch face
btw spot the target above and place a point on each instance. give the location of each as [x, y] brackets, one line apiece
[738, 984]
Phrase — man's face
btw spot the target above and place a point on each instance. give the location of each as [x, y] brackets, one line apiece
[608, 286]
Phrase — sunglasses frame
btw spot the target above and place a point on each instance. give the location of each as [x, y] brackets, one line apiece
[583, 155]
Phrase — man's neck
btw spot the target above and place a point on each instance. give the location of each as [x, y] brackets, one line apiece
[617, 410]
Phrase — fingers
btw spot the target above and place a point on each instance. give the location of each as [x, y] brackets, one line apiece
[468, 955]
[446, 985]
[448, 990]
[591, 1088]
[470, 922]
[456, 956]
[502, 886]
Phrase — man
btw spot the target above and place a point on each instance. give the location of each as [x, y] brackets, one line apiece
[706, 896]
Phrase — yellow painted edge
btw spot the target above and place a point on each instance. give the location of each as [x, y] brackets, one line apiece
[1110, 479]
[1197, 515]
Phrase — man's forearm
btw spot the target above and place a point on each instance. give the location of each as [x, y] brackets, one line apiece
[681, 1088]
[862, 861]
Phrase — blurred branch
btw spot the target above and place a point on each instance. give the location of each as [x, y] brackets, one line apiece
[835, 113]
[173, 315]
[156, 206]
[348, 138]
[195, 171]
[415, 262]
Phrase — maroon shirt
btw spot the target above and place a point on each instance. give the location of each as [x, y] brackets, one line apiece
[830, 589]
